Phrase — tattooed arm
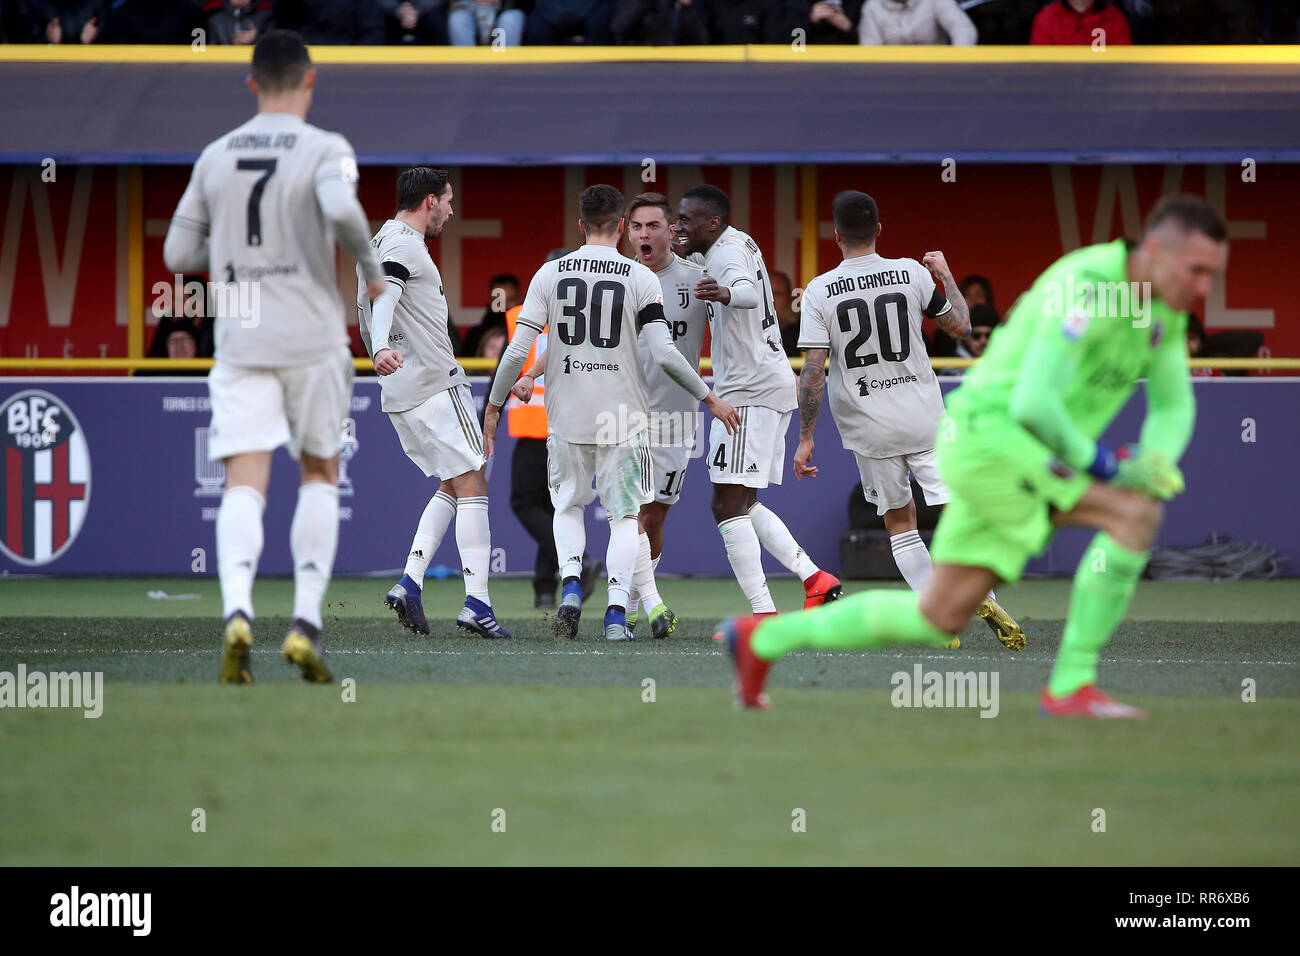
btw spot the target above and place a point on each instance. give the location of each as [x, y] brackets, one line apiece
[812, 385]
[955, 320]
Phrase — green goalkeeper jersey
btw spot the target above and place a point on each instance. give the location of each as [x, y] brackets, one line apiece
[1071, 352]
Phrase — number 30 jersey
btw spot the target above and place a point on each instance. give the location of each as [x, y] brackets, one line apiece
[271, 249]
[883, 392]
[592, 300]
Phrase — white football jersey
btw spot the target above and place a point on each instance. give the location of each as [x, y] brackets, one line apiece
[688, 317]
[749, 365]
[592, 299]
[271, 249]
[419, 329]
[883, 392]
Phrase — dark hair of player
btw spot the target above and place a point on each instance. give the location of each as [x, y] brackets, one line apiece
[600, 208]
[1190, 214]
[280, 60]
[712, 197]
[980, 281]
[856, 216]
[414, 184]
[650, 200]
[504, 278]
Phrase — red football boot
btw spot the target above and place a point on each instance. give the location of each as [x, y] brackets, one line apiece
[1089, 702]
[821, 588]
[751, 672]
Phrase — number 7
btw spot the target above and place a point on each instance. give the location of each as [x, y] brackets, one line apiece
[255, 197]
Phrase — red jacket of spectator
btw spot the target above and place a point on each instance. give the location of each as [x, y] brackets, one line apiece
[1059, 24]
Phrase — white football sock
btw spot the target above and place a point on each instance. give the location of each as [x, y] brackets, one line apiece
[644, 575]
[746, 557]
[570, 541]
[239, 545]
[912, 558]
[779, 542]
[620, 559]
[428, 535]
[313, 539]
[474, 540]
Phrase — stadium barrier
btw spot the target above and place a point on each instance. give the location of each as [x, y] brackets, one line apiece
[110, 476]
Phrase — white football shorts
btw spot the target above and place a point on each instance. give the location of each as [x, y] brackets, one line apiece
[885, 483]
[621, 474]
[260, 409]
[754, 455]
[442, 434]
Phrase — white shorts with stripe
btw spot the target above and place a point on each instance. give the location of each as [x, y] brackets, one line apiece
[260, 409]
[621, 473]
[754, 455]
[885, 484]
[442, 434]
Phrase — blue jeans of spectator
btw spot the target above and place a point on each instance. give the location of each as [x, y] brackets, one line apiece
[554, 21]
[463, 27]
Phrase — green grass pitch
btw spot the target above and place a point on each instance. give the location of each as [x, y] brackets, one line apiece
[449, 734]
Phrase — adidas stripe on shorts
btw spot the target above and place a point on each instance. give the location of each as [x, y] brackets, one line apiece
[442, 434]
[754, 455]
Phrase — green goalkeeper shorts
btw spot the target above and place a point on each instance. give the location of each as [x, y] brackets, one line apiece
[1005, 486]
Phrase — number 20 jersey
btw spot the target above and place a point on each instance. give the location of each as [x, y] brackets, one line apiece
[595, 387]
[883, 392]
[254, 191]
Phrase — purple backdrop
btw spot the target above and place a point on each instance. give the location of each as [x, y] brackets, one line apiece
[153, 499]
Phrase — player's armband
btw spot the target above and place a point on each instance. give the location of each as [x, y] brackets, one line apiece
[654, 312]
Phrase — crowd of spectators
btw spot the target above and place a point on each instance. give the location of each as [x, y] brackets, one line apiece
[659, 22]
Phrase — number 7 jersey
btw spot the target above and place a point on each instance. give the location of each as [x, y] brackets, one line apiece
[883, 393]
[592, 299]
[271, 250]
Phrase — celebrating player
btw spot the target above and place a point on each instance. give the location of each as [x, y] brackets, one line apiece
[1020, 452]
[674, 413]
[596, 301]
[428, 399]
[751, 371]
[866, 315]
[262, 208]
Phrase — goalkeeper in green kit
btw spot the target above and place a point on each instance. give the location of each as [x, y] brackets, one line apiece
[1019, 451]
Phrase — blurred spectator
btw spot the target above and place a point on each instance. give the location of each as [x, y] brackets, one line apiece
[750, 21]
[661, 22]
[415, 21]
[1004, 22]
[1196, 21]
[62, 21]
[152, 21]
[180, 338]
[471, 22]
[786, 316]
[976, 290]
[492, 344]
[555, 22]
[983, 320]
[1072, 22]
[236, 22]
[827, 21]
[503, 295]
[332, 22]
[900, 22]
[1236, 344]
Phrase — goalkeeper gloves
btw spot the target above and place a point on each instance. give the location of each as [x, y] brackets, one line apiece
[1149, 472]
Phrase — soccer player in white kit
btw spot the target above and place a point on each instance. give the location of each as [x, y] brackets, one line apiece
[428, 399]
[865, 314]
[596, 303]
[751, 371]
[261, 213]
[674, 412]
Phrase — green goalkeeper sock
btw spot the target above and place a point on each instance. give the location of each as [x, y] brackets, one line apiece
[869, 619]
[1103, 586]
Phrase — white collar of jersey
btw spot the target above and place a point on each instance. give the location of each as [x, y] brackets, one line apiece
[280, 119]
[854, 260]
[409, 228]
[591, 248]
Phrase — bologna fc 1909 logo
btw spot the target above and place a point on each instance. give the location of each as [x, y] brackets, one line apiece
[44, 477]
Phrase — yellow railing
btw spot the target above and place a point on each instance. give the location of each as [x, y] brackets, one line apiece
[488, 365]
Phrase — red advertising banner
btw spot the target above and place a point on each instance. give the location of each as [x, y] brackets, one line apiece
[65, 256]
